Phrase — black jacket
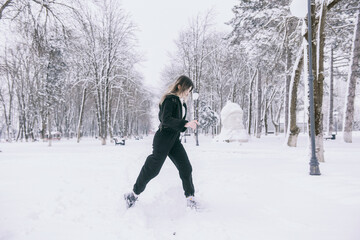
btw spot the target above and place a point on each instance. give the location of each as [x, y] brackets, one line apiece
[170, 114]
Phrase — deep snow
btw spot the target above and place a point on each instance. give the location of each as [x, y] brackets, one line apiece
[255, 190]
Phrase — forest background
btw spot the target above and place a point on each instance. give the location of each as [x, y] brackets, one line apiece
[73, 69]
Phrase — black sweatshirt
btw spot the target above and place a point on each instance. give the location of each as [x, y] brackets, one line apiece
[170, 114]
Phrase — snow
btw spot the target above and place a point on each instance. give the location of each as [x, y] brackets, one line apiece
[255, 190]
[232, 128]
[298, 8]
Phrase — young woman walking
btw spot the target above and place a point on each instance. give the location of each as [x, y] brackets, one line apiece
[166, 142]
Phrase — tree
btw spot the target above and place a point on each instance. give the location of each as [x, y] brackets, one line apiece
[53, 88]
[294, 130]
[99, 56]
[109, 48]
[208, 117]
[339, 40]
[266, 31]
[354, 67]
[193, 49]
[331, 94]
[14, 8]
[258, 104]
[318, 43]
[7, 96]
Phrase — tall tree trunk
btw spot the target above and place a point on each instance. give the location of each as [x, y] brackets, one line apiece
[350, 99]
[289, 28]
[8, 116]
[98, 115]
[287, 87]
[109, 120]
[49, 128]
[331, 96]
[259, 98]
[8, 112]
[276, 119]
[319, 82]
[294, 130]
[266, 118]
[106, 112]
[43, 124]
[81, 115]
[250, 103]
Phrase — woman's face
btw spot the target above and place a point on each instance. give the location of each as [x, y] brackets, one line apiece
[185, 93]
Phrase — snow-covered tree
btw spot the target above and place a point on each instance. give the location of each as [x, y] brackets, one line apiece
[353, 72]
[266, 32]
[207, 117]
[73, 69]
[294, 130]
[7, 94]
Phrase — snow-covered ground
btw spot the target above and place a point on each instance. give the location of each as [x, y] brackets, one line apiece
[256, 190]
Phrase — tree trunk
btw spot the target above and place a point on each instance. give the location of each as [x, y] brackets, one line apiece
[276, 119]
[259, 98]
[43, 126]
[319, 83]
[266, 118]
[98, 115]
[287, 87]
[250, 103]
[331, 97]
[81, 115]
[350, 99]
[109, 121]
[8, 116]
[289, 28]
[250, 109]
[49, 128]
[294, 130]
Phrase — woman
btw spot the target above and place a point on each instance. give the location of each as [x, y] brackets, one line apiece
[166, 142]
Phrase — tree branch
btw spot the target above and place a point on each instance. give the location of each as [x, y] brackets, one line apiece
[5, 5]
[332, 4]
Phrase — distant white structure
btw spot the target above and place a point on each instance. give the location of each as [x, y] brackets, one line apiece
[233, 129]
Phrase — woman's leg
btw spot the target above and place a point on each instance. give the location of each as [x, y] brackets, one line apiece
[162, 144]
[179, 157]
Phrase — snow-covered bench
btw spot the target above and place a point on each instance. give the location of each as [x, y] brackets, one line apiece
[119, 142]
[332, 137]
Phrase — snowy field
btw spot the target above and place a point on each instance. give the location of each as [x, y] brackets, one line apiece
[250, 191]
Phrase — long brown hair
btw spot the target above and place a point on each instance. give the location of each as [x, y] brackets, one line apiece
[184, 82]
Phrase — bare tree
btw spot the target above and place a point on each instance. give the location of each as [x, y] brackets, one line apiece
[7, 95]
[294, 130]
[4, 6]
[250, 106]
[331, 94]
[354, 68]
[194, 49]
[258, 104]
[318, 43]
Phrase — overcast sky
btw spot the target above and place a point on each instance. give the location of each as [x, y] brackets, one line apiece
[160, 22]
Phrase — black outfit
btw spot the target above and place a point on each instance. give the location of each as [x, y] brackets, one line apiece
[166, 143]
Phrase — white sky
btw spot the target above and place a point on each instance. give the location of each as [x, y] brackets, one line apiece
[160, 22]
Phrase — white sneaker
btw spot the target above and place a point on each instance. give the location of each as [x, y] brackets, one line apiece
[191, 202]
[130, 199]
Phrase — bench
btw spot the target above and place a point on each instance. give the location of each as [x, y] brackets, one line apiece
[332, 137]
[117, 142]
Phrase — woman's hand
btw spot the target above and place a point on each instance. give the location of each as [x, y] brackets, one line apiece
[192, 124]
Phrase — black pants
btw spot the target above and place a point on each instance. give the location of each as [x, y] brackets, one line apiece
[166, 143]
